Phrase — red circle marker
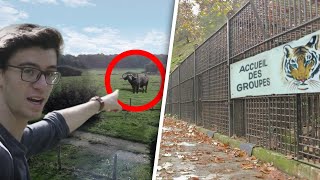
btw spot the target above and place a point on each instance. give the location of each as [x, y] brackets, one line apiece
[153, 58]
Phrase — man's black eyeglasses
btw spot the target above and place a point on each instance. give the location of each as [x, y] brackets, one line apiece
[30, 74]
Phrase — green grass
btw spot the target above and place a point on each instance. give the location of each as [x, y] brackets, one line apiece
[76, 163]
[125, 90]
[138, 127]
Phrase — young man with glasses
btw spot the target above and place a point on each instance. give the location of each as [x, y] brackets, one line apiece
[28, 71]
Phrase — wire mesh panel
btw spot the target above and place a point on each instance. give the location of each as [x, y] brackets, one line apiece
[256, 114]
[168, 109]
[283, 124]
[187, 68]
[175, 77]
[202, 57]
[281, 132]
[186, 91]
[175, 100]
[245, 30]
[218, 52]
[309, 139]
[214, 116]
[204, 84]
[175, 107]
[187, 112]
[168, 102]
[218, 83]
[283, 15]
[288, 124]
[237, 118]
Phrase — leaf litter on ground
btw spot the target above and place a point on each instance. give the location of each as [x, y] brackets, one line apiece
[178, 137]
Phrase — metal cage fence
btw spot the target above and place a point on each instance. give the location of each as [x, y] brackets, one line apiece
[199, 88]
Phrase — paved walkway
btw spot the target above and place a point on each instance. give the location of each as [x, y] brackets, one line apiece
[186, 153]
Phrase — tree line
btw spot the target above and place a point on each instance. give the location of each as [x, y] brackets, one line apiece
[101, 61]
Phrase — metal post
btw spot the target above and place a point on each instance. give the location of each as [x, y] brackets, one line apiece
[194, 86]
[231, 120]
[179, 92]
[299, 132]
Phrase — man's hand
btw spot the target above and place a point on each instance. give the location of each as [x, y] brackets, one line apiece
[111, 101]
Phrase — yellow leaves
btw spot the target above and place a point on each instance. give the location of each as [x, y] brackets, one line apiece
[218, 160]
[247, 166]
[236, 152]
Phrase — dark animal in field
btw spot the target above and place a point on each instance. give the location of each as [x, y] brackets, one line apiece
[140, 81]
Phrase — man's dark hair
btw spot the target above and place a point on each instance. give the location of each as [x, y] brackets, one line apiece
[22, 36]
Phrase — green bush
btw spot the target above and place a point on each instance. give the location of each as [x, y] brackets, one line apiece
[71, 91]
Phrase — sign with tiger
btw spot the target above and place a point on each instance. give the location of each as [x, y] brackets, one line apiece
[288, 69]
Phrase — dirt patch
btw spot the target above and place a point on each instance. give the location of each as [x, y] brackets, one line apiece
[108, 146]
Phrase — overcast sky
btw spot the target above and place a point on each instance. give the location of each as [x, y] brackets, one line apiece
[98, 26]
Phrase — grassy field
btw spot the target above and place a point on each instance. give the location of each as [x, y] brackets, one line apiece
[125, 92]
[138, 127]
[77, 163]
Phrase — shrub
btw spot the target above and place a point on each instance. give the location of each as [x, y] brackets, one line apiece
[71, 91]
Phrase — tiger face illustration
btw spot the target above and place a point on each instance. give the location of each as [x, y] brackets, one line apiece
[301, 65]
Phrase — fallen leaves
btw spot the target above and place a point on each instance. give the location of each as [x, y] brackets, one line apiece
[236, 152]
[186, 151]
[246, 166]
[218, 160]
[266, 168]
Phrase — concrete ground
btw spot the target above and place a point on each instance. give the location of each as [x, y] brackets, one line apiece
[186, 153]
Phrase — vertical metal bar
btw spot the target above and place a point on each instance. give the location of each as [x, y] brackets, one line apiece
[266, 20]
[294, 12]
[317, 125]
[231, 121]
[268, 120]
[195, 85]
[279, 29]
[179, 88]
[313, 126]
[310, 5]
[299, 10]
[289, 5]
[285, 15]
[304, 11]
[245, 119]
[299, 126]
[273, 19]
[316, 2]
